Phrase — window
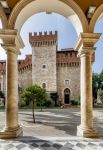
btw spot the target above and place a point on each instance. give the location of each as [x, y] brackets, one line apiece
[44, 85]
[70, 54]
[44, 66]
[66, 82]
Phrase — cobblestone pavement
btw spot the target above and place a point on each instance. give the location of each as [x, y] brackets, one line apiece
[55, 129]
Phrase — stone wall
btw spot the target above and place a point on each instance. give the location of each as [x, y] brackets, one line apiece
[44, 66]
[25, 72]
[73, 75]
[44, 59]
[48, 67]
[25, 78]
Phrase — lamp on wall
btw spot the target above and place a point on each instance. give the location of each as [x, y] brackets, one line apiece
[91, 11]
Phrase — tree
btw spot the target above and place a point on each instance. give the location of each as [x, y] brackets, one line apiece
[100, 92]
[2, 96]
[34, 93]
[41, 96]
[97, 82]
[54, 97]
[101, 79]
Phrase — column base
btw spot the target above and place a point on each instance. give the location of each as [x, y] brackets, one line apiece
[87, 133]
[11, 133]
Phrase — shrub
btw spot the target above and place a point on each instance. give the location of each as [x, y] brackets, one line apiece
[74, 102]
[48, 103]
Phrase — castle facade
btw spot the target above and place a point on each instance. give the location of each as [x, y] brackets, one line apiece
[56, 71]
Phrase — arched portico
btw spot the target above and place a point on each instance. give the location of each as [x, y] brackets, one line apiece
[13, 43]
[68, 9]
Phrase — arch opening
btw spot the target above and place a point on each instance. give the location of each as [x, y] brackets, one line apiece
[65, 43]
[98, 64]
[2, 54]
[42, 22]
[2, 67]
[98, 15]
[49, 7]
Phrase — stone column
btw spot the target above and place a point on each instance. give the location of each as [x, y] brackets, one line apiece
[85, 47]
[11, 44]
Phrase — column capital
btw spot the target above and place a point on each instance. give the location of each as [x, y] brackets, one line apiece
[11, 48]
[86, 42]
[11, 40]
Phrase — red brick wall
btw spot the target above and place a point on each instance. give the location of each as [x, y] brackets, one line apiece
[43, 38]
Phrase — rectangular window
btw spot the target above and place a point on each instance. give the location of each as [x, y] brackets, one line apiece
[44, 66]
[66, 82]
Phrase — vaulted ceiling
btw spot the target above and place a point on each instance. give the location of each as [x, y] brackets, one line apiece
[84, 4]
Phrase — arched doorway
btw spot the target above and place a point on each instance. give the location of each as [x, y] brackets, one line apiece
[66, 96]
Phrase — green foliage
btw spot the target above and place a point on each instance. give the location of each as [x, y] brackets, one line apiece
[95, 79]
[100, 92]
[75, 102]
[2, 94]
[97, 83]
[54, 97]
[101, 79]
[48, 103]
[35, 94]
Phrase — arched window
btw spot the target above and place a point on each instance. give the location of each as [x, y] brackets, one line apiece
[44, 85]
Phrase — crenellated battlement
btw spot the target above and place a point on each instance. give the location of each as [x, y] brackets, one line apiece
[43, 38]
[43, 34]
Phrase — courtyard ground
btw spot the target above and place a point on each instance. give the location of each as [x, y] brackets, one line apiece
[54, 129]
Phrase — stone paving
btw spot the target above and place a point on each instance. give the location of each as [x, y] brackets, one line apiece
[48, 143]
[54, 130]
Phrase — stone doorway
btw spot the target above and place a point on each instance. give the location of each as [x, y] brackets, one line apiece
[66, 96]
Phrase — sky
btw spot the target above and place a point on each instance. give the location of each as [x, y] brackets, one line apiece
[67, 35]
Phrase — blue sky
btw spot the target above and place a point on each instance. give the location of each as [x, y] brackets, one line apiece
[66, 34]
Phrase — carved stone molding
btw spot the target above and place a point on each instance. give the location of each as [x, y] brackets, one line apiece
[86, 42]
[11, 40]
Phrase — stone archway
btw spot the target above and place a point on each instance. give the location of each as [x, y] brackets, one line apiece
[66, 96]
[3, 17]
[68, 9]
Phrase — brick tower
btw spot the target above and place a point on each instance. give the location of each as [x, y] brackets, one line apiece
[44, 59]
